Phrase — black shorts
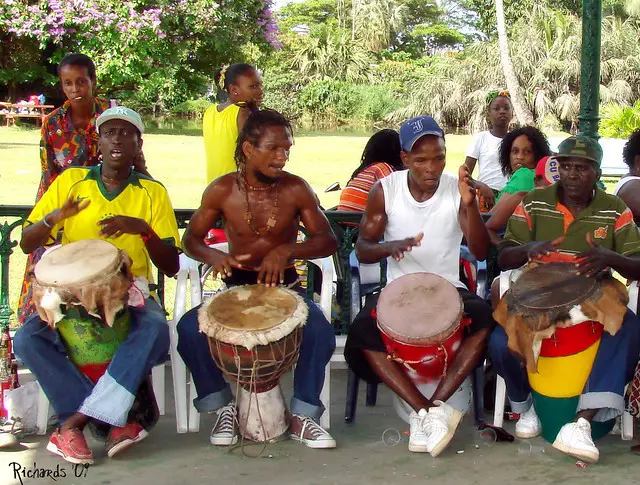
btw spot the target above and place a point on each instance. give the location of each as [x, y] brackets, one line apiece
[364, 332]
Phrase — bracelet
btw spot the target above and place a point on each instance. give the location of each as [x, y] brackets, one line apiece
[146, 236]
[44, 221]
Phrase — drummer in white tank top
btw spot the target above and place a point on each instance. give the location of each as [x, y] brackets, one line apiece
[436, 217]
[628, 187]
[422, 214]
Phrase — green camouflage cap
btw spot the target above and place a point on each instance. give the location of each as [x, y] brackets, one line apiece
[581, 147]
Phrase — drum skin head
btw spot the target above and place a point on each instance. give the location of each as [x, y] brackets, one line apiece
[419, 308]
[251, 307]
[77, 262]
[552, 285]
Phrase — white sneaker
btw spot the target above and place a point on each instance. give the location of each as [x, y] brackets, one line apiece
[225, 431]
[312, 434]
[417, 437]
[528, 426]
[574, 439]
[440, 425]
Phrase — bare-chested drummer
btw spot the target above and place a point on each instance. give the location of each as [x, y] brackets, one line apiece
[262, 207]
[422, 214]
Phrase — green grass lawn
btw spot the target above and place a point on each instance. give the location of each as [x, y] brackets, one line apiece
[178, 162]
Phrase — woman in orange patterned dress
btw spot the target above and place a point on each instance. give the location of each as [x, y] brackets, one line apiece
[68, 139]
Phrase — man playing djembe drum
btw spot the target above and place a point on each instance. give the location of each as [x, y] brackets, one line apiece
[422, 214]
[134, 213]
[574, 220]
[262, 207]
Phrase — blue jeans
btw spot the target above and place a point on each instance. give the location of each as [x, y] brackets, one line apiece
[70, 391]
[318, 344]
[612, 369]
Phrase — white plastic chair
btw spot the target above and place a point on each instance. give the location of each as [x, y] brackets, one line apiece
[189, 272]
[626, 421]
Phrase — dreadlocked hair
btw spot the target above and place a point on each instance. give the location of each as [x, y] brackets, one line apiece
[254, 128]
[631, 148]
[535, 136]
[383, 146]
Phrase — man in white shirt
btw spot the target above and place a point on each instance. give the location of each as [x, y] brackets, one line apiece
[421, 214]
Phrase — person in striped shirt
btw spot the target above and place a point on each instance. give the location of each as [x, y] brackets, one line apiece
[381, 157]
[576, 220]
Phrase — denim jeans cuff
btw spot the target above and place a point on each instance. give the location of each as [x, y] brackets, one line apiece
[215, 400]
[109, 402]
[305, 409]
[521, 406]
[609, 404]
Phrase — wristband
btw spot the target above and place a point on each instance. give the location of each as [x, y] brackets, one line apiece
[146, 236]
[44, 221]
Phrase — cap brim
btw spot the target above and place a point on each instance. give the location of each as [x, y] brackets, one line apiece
[591, 159]
[103, 119]
[409, 147]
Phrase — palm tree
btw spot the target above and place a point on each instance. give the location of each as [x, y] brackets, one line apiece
[523, 113]
[331, 56]
[378, 22]
[545, 51]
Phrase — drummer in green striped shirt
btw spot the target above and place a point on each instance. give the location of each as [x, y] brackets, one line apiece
[575, 218]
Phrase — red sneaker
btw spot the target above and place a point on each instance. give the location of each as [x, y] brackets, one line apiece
[120, 439]
[71, 446]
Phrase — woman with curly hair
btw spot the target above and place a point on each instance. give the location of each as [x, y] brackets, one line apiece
[520, 151]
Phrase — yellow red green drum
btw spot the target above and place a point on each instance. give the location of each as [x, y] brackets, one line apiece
[564, 365]
[89, 342]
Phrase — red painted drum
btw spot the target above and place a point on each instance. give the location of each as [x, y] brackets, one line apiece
[420, 320]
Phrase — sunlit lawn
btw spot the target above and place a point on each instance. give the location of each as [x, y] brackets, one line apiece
[178, 162]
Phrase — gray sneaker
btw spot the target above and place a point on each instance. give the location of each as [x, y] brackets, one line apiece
[225, 431]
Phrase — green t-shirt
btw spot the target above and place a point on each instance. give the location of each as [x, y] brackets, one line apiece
[523, 180]
[541, 217]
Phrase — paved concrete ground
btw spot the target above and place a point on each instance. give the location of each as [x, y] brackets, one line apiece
[362, 457]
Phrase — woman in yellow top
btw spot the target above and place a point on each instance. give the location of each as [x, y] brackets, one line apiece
[239, 93]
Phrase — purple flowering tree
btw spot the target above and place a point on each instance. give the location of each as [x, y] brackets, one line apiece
[158, 52]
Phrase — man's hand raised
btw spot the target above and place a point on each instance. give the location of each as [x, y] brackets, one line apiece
[398, 248]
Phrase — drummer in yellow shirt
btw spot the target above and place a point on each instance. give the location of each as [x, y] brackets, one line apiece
[240, 87]
[133, 212]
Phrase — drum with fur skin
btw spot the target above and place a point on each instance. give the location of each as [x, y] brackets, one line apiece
[81, 289]
[554, 319]
[255, 334]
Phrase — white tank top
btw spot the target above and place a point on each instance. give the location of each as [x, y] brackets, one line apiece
[623, 181]
[439, 251]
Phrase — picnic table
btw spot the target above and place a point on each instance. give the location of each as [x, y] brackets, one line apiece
[11, 111]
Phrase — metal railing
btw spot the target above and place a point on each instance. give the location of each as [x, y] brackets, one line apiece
[344, 224]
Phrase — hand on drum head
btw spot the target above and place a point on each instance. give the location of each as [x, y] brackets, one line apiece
[271, 269]
[70, 208]
[595, 260]
[536, 249]
[116, 226]
[398, 248]
[467, 187]
[222, 263]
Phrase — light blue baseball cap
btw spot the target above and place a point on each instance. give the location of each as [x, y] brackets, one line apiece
[121, 113]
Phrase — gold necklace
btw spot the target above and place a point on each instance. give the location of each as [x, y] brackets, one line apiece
[248, 215]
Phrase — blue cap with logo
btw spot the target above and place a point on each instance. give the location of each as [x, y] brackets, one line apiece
[415, 128]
